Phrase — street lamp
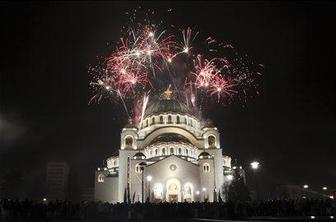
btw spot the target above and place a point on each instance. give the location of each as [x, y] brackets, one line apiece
[149, 179]
[229, 177]
[255, 166]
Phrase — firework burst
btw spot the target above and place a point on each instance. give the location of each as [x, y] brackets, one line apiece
[149, 57]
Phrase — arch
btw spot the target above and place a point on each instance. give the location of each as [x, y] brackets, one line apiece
[101, 178]
[212, 140]
[188, 192]
[206, 168]
[158, 192]
[171, 150]
[170, 119]
[137, 168]
[175, 130]
[129, 141]
[173, 188]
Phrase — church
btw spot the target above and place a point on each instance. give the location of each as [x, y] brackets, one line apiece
[171, 155]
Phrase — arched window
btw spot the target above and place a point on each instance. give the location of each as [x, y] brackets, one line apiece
[169, 119]
[179, 151]
[177, 119]
[100, 178]
[171, 150]
[137, 168]
[153, 120]
[156, 152]
[191, 123]
[129, 142]
[146, 122]
[163, 151]
[161, 119]
[211, 141]
[185, 120]
[206, 168]
[150, 153]
[114, 162]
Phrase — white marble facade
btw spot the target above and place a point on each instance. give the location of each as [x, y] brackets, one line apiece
[171, 155]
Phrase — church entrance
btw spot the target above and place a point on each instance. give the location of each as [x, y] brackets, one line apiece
[172, 198]
[173, 194]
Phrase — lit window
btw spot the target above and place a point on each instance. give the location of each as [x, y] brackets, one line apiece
[206, 168]
[137, 168]
[100, 178]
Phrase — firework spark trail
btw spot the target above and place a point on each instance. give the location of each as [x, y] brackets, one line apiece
[144, 105]
[147, 51]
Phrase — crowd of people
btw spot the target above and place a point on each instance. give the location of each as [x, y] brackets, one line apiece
[14, 210]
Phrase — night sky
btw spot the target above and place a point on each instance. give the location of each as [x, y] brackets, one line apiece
[44, 88]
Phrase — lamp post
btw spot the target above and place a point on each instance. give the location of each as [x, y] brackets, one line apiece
[305, 187]
[142, 168]
[255, 165]
[149, 179]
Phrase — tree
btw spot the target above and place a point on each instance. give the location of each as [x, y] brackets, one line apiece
[238, 190]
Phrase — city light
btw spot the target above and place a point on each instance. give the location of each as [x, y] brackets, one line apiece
[324, 188]
[197, 192]
[331, 197]
[229, 177]
[44, 199]
[312, 217]
[255, 165]
[149, 178]
[204, 189]
[305, 186]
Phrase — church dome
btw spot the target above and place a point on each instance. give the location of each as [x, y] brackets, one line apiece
[139, 155]
[165, 105]
[204, 155]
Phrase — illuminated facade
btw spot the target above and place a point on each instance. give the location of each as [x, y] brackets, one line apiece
[171, 155]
